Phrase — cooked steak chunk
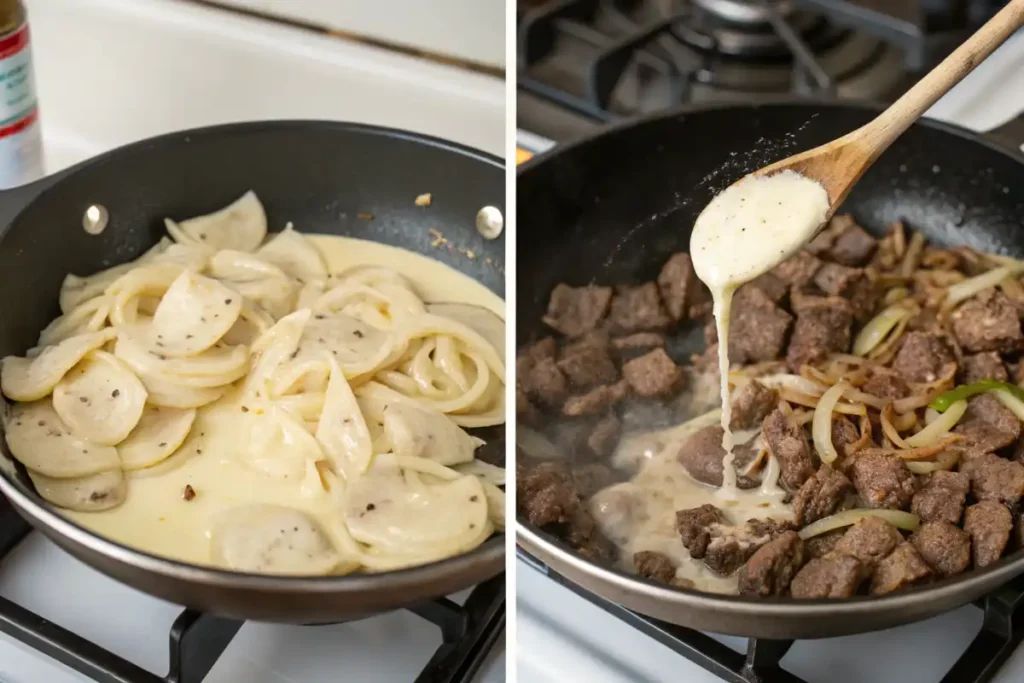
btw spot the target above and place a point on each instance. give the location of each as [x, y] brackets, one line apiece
[797, 270]
[886, 385]
[655, 566]
[751, 403]
[587, 363]
[882, 481]
[820, 495]
[853, 285]
[694, 527]
[701, 455]
[853, 247]
[903, 567]
[731, 546]
[823, 544]
[526, 412]
[945, 547]
[639, 341]
[679, 286]
[546, 495]
[822, 327]
[942, 497]
[605, 435]
[869, 540]
[758, 328]
[836, 576]
[637, 309]
[772, 286]
[788, 444]
[542, 381]
[596, 401]
[994, 478]
[844, 434]
[770, 569]
[923, 357]
[984, 365]
[574, 311]
[654, 374]
[989, 524]
[987, 426]
[988, 322]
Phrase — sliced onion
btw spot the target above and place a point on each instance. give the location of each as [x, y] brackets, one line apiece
[895, 295]
[1010, 401]
[920, 453]
[794, 382]
[943, 461]
[803, 399]
[859, 396]
[889, 430]
[968, 288]
[899, 519]
[821, 424]
[875, 331]
[884, 352]
[536, 445]
[940, 425]
[911, 257]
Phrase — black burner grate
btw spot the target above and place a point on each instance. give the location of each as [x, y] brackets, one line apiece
[1002, 630]
[197, 640]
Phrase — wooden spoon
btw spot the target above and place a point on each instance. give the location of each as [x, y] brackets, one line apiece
[839, 164]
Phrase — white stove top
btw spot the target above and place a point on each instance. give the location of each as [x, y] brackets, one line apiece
[113, 71]
[561, 636]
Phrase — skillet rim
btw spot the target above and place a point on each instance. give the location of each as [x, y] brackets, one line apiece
[28, 504]
[529, 537]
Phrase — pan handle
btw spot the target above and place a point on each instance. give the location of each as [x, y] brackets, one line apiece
[1009, 134]
[14, 200]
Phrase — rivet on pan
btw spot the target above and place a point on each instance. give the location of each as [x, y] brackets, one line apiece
[95, 219]
[489, 222]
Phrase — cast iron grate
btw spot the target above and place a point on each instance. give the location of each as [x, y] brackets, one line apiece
[1002, 630]
[197, 640]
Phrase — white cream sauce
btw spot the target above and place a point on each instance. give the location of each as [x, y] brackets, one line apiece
[156, 518]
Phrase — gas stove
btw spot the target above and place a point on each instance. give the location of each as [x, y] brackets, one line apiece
[583, 63]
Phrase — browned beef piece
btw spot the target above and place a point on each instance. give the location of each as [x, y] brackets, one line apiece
[546, 494]
[637, 309]
[587, 363]
[751, 404]
[701, 455]
[988, 322]
[757, 331]
[923, 357]
[574, 311]
[988, 425]
[770, 569]
[823, 544]
[605, 435]
[925, 320]
[591, 478]
[640, 341]
[654, 566]
[694, 527]
[822, 327]
[798, 269]
[582, 534]
[820, 495]
[731, 546]
[545, 347]
[844, 434]
[526, 412]
[596, 401]
[853, 285]
[654, 375]
[942, 497]
[995, 478]
[836, 576]
[772, 286]
[985, 365]
[903, 567]
[853, 247]
[684, 295]
[788, 444]
[543, 382]
[989, 523]
[886, 385]
[945, 547]
[883, 481]
[869, 540]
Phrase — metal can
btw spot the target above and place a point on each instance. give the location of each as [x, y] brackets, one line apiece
[21, 143]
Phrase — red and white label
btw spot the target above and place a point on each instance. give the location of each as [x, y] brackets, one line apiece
[21, 149]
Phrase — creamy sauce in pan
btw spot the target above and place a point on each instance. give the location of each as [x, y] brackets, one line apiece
[156, 518]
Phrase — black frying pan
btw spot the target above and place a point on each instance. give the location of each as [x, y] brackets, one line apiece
[325, 177]
[627, 198]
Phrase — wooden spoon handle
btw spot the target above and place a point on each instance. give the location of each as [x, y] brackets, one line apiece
[881, 132]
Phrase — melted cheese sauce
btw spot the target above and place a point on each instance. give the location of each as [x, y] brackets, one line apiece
[156, 518]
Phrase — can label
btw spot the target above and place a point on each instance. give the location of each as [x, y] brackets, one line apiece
[21, 145]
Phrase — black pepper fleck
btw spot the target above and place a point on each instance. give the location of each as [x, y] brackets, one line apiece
[370, 507]
[115, 393]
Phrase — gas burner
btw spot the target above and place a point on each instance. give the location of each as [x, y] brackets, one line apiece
[744, 11]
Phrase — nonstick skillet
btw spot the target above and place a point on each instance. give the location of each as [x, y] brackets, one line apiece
[613, 207]
[336, 178]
